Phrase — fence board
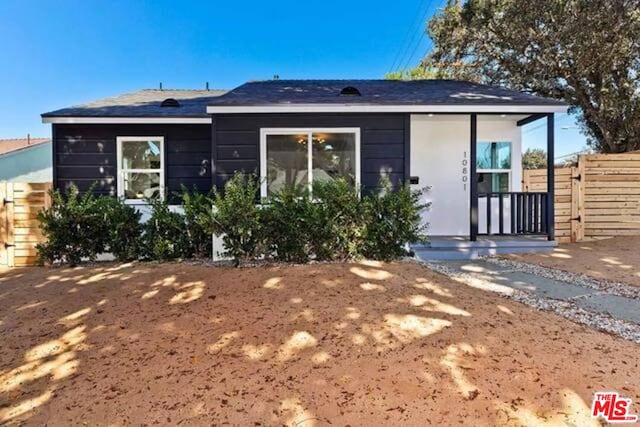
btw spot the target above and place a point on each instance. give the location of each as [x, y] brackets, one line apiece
[602, 194]
[19, 228]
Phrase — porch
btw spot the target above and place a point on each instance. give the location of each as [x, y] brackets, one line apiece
[461, 248]
[487, 199]
[521, 214]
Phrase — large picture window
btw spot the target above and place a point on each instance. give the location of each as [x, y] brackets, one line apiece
[140, 167]
[494, 166]
[294, 157]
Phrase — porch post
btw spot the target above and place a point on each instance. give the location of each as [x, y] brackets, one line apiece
[473, 213]
[550, 177]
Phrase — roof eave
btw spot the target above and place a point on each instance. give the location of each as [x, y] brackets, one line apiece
[378, 108]
[124, 120]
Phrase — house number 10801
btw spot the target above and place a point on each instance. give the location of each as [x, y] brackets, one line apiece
[465, 171]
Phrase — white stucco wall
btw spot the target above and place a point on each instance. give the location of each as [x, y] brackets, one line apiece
[440, 158]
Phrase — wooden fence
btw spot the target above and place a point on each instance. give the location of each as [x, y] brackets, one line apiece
[19, 230]
[599, 198]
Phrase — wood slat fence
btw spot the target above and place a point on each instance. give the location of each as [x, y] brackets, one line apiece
[599, 198]
[19, 230]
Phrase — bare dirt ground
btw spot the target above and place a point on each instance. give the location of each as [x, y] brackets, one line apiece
[616, 259]
[342, 344]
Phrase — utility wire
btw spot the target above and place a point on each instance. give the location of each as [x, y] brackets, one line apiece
[418, 36]
[544, 124]
[408, 39]
[423, 33]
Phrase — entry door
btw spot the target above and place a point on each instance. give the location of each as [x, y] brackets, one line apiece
[440, 158]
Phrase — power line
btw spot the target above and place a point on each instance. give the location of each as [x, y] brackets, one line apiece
[544, 124]
[399, 54]
[417, 35]
[411, 35]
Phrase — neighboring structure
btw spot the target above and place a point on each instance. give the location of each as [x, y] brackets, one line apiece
[461, 139]
[25, 160]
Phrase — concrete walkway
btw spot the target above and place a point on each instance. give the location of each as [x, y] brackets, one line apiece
[621, 308]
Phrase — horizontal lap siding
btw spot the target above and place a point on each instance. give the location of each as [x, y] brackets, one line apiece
[86, 154]
[383, 136]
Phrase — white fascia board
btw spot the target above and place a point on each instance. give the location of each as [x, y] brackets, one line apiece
[359, 108]
[127, 120]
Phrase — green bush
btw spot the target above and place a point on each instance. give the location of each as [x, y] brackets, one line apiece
[74, 227]
[236, 218]
[392, 220]
[197, 206]
[165, 233]
[334, 224]
[123, 228]
[337, 221]
[288, 222]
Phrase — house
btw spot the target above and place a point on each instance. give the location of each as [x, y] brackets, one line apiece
[461, 139]
[25, 160]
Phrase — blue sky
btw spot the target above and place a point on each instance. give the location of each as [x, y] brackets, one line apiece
[59, 53]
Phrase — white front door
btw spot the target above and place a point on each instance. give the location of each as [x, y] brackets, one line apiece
[440, 158]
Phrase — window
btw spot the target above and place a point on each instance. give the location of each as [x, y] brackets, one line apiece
[140, 167]
[293, 157]
[494, 166]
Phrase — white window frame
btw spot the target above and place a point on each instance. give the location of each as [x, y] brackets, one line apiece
[121, 171]
[264, 132]
[507, 171]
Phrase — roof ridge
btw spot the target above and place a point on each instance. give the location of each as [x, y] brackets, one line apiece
[177, 89]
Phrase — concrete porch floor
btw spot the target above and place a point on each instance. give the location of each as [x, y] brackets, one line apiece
[461, 248]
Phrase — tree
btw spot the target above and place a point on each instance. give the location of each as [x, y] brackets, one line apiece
[586, 52]
[416, 73]
[535, 158]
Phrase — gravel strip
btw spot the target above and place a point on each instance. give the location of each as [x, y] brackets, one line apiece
[610, 287]
[600, 321]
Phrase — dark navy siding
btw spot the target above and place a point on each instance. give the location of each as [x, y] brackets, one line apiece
[86, 154]
[236, 142]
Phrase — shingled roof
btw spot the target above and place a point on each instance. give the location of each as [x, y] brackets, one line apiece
[144, 103]
[375, 92]
[147, 103]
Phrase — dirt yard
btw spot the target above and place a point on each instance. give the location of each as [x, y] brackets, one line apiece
[616, 259]
[357, 344]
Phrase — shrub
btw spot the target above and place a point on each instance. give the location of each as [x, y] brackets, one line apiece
[288, 221]
[197, 206]
[336, 227]
[124, 230]
[236, 218]
[165, 233]
[74, 227]
[392, 220]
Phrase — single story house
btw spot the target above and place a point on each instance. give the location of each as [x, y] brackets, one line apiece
[25, 160]
[461, 139]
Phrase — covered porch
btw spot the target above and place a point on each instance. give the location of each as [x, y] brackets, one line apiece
[511, 213]
[472, 166]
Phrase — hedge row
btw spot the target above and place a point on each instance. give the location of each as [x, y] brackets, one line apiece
[331, 223]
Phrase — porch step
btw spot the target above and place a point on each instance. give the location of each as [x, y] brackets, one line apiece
[457, 248]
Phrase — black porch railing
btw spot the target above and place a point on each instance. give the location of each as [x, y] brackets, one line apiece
[514, 213]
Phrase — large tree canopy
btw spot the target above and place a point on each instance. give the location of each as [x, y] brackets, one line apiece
[586, 52]
[535, 158]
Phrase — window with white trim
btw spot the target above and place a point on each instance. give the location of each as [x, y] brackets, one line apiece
[494, 166]
[140, 167]
[300, 157]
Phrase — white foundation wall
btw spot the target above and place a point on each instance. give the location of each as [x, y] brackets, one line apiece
[216, 241]
[440, 159]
